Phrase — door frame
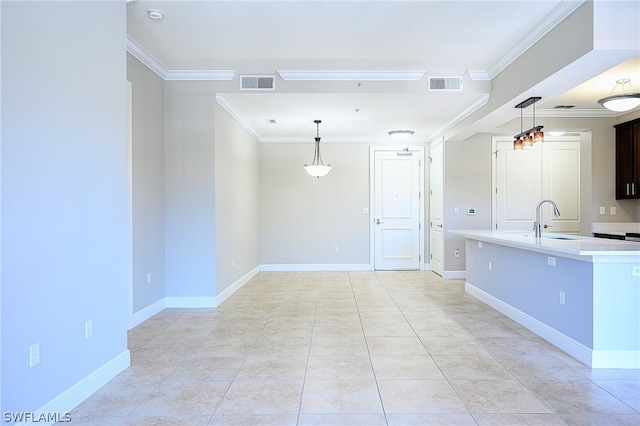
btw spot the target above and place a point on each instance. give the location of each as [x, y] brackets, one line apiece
[421, 230]
[436, 193]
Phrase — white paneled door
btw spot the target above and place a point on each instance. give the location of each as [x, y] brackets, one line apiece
[397, 211]
[436, 235]
[523, 178]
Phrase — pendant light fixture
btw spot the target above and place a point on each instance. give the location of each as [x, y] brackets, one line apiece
[401, 135]
[622, 102]
[526, 139]
[317, 167]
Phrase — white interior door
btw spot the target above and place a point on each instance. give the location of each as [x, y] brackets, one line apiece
[518, 186]
[436, 207]
[397, 209]
[525, 177]
[561, 183]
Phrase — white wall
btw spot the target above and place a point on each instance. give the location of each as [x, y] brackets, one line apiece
[237, 209]
[190, 217]
[467, 184]
[66, 238]
[148, 184]
[302, 217]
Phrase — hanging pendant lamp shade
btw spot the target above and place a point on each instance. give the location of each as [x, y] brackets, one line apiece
[525, 139]
[317, 168]
[622, 102]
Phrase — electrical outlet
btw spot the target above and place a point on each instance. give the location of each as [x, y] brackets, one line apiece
[479, 244]
[233, 262]
[456, 253]
[365, 210]
[149, 278]
[490, 266]
[603, 210]
[34, 355]
[635, 271]
[562, 298]
[335, 248]
[88, 328]
[612, 211]
[551, 261]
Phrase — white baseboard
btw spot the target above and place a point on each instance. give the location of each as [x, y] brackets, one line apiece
[144, 314]
[210, 302]
[300, 267]
[592, 358]
[227, 292]
[616, 359]
[76, 394]
[454, 275]
[191, 302]
[553, 336]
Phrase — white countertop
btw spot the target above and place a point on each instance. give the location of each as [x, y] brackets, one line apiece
[572, 245]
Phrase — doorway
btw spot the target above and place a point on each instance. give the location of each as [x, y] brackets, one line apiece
[436, 183]
[397, 212]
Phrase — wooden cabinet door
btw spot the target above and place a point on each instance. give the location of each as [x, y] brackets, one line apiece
[628, 160]
[624, 161]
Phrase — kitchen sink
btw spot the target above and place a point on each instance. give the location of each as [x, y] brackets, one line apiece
[560, 237]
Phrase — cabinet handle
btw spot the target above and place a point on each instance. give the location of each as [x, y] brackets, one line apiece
[633, 188]
[627, 189]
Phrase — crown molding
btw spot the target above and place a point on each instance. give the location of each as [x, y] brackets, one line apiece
[314, 75]
[338, 139]
[145, 57]
[476, 105]
[237, 115]
[173, 75]
[218, 75]
[577, 113]
[479, 75]
[553, 19]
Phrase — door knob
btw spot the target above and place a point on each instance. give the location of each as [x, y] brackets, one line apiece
[378, 222]
[548, 226]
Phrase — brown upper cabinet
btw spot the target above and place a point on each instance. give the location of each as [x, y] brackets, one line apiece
[628, 160]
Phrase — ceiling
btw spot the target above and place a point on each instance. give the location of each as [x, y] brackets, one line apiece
[356, 56]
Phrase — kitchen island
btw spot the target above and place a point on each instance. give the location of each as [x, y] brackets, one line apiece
[581, 294]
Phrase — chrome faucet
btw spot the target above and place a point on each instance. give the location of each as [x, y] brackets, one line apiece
[536, 225]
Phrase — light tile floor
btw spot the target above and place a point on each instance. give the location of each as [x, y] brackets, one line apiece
[354, 348]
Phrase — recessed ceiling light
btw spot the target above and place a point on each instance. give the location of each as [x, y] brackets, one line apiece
[155, 14]
[271, 121]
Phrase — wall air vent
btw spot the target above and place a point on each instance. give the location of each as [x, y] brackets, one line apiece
[445, 84]
[564, 106]
[257, 82]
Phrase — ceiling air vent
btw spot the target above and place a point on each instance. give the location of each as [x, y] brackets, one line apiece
[445, 84]
[257, 82]
[564, 106]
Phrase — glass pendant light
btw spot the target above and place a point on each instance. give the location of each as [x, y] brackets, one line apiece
[317, 168]
[622, 102]
[534, 134]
